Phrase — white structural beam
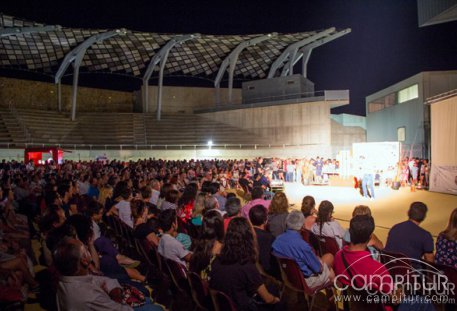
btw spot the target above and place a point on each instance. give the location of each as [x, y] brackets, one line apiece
[14, 31]
[291, 50]
[231, 59]
[75, 57]
[161, 58]
[305, 53]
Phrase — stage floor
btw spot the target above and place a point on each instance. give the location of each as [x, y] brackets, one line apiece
[389, 207]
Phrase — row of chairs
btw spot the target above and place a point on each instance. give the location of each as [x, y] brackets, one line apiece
[186, 282]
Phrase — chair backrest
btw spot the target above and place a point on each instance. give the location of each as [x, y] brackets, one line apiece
[199, 291]
[178, 274]
[311, 239]
[221, 301]
[451, 274]
[142, 252]
[291, 275]
[327, 245]
[153, 254]
[113, 222]
[396, 263]
[363, 304]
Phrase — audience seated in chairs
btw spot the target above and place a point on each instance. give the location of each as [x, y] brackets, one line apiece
[169, 246]
[374, 245]
[361, 274]
[327, 226]
[186, 202]
[209, 245]
[232, 209]
[308, 208]
[234, 271]
[142, 229]
[446, 244]
[258, 215]
[317, 271]
[277, 213]
[56, 192]
[80, 290]
[409, 238]
[257, 198]
[197, 211]
[355, 259]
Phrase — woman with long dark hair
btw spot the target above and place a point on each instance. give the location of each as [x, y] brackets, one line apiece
[209, 244]
[326, 225]
[308, 208]
[186, 202]
[446, 244]
[234, 271]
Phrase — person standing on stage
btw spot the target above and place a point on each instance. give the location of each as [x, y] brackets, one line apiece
[367, 178]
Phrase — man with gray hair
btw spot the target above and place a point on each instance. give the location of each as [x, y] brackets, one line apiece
[211, 203]
[79, 290]
[290, 244]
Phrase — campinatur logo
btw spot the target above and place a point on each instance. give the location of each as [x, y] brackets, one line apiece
[407, 280]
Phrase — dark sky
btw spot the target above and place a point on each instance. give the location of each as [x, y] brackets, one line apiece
[385, 45]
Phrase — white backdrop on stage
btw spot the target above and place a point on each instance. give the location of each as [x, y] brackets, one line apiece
[380, 156]
[443, 175]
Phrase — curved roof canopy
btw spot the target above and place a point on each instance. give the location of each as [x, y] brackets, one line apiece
[32, 46]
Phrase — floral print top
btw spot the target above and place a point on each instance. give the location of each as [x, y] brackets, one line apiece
[446, 251]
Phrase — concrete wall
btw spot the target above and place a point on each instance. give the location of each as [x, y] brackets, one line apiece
[303, 123]
[279, 88]
[413, 115]
[126, 155]
[42, 95]
[344, 136]
[188, 99]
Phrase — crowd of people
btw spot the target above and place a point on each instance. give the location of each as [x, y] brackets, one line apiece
[216, 218]
[415, 172]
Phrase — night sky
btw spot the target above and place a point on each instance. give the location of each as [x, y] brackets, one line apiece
[385, 45]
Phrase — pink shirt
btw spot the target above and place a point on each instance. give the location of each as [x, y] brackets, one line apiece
[368, 270]
[245, 210]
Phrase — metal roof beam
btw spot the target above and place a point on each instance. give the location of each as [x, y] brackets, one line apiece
[13, 31]
[231, 59]
[161, 58]
[75, 57]
[292, 49]
[306, 50]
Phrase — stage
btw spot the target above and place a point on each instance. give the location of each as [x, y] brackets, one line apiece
[389, 207]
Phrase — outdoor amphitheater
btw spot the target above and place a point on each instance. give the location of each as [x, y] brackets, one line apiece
[94, 156]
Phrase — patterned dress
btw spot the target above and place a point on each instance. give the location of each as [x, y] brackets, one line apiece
[446, 251]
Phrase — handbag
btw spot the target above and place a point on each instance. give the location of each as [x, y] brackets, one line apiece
[132, 296]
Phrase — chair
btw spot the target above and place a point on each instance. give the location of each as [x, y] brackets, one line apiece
[362, 304]
[221, 302]
[152, 254]
[293, 279]
[451, 274]
[327, 245]
[268, 278]
[199, 292]
[311, 239]
[178, 274]
[143, 254]
[396, 263]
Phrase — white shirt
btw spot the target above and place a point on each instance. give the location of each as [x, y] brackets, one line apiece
[125, 212]
[96, 229]
[154, 197]
[331, 229]
[76, 293]
[83, 187]
[171, 248]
